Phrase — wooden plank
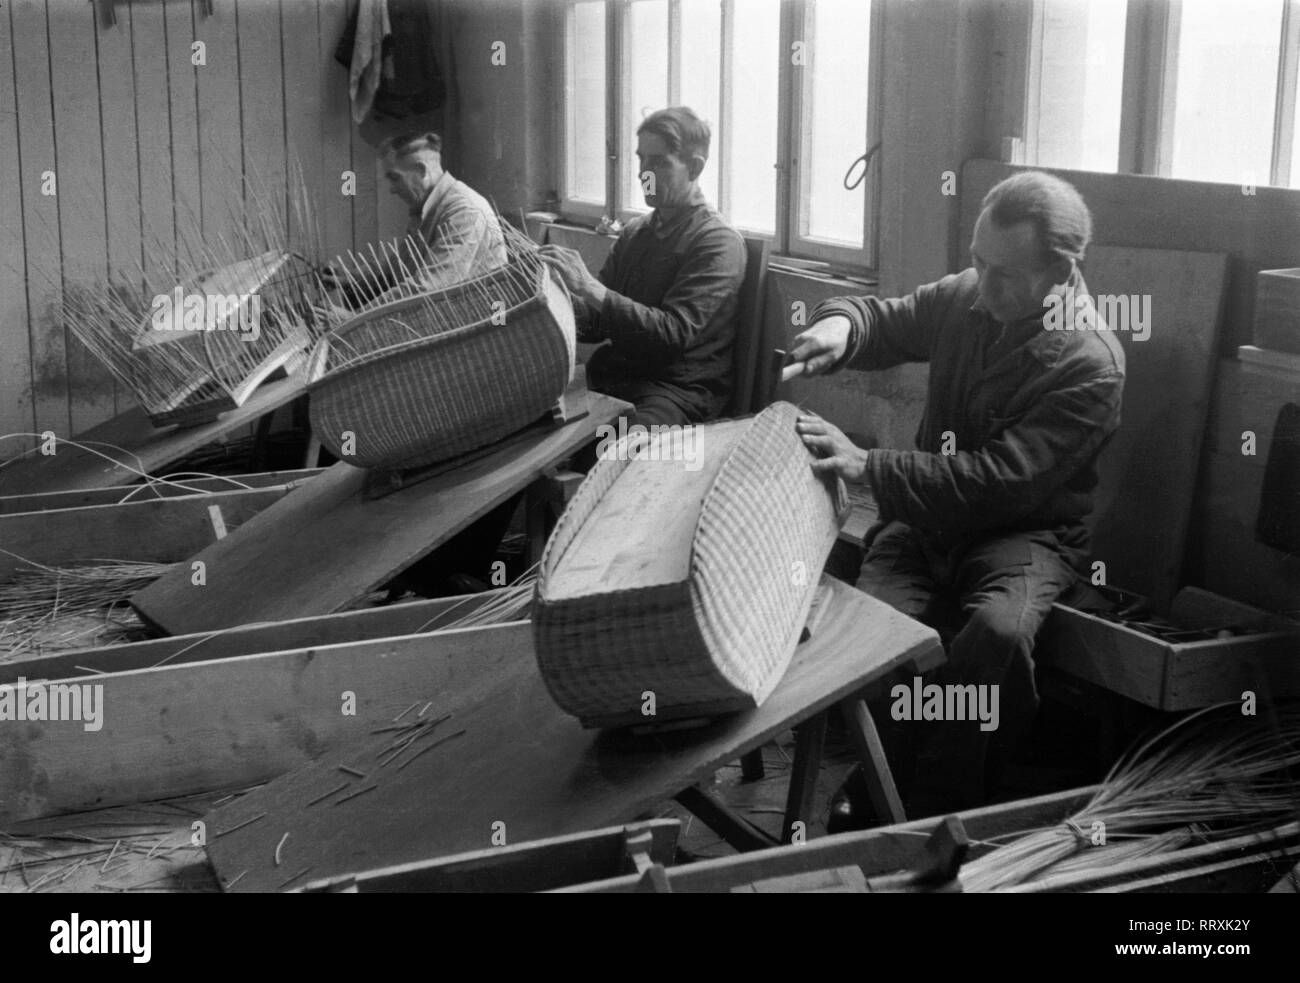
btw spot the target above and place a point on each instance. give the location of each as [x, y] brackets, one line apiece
[539, 865]
[261, 95]
[11, 504]
[149, 53]
[176, 730]
[220, 136]
[302, 91]
[388, 621]
[330, 546]
[188, 156]
[876, 851]
[525, 770]
[336, 129]
[17, 413]
[165, 530]
[40, 224]
[123, 203]
[74, 88]
[135, 445]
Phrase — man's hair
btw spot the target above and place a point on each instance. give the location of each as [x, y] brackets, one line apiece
[411, 144]
[685, 133]
[1056, 210]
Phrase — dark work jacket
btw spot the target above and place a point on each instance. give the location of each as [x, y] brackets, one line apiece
[1027, 414]
[670, 311]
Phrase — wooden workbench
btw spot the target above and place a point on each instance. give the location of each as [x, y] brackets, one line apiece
[523, 769]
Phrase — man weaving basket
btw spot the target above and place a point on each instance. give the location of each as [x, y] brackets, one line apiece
[452, 233]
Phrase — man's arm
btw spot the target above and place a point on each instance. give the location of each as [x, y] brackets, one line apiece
[869, 333]
[712, 272]
[1009, 477]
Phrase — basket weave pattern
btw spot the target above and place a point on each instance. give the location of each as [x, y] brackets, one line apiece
[722, 638]
[414, 391]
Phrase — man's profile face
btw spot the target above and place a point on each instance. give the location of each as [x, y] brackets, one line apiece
[1014, 277]
[408, 178]
[665, 178]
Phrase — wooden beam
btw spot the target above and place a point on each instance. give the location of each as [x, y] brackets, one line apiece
[329, 547]
[230, 723]
[522, 769]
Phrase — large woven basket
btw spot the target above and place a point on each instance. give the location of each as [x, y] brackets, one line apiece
[707, 624]
[413, 391]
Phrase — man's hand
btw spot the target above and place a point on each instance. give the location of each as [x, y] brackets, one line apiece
[838, 454]
[569, 266]
[821, 346]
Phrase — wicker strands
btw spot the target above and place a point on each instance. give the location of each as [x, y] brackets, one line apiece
[424, 378]
[209, 319]
[686, 579]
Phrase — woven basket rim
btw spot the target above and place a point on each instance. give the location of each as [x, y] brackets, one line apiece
[402, 303]
[484, 326]
[320, 352]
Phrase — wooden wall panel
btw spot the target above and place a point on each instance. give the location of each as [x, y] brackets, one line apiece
[78, 138]
[154, 132]
[34, 105]
[17, 414]
[121, 143]
[261, 97]
[336, 129]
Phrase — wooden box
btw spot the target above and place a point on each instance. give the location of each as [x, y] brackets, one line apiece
[1258, 652]
[1277, 310]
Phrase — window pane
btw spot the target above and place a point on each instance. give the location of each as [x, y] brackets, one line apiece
[1295, 146]
[701, 71]
[646, 54]
[1226, 91]
[584, 82]
[751, 166]
[837, 134]
[1081, 83]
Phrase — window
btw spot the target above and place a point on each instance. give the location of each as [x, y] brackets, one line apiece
[787, 88]
[1187, 89]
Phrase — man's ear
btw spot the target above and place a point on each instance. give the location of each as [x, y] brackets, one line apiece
[695, 167]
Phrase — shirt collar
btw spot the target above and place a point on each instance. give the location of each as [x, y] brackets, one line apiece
[663, 227]
[435, 196]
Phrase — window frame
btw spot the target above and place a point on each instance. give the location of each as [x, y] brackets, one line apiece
[793, 104]
[1147, 100]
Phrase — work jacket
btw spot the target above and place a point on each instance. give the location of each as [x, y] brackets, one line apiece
[670, 311]
[1015, 417]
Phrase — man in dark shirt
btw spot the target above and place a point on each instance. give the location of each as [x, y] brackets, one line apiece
[987, 516]
[666, 297]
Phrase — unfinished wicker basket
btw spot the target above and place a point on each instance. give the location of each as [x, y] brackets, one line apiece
[691, 584]
[428, 377]
[184, 376]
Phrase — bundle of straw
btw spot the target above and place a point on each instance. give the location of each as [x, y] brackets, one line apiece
[49, 608]
[1212, 774]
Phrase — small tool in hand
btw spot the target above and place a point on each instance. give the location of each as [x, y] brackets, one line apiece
[788, 370]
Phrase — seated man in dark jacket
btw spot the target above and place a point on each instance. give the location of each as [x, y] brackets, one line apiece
[988, 515]
[666, 297]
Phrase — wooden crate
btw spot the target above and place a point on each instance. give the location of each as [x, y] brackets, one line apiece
[1178, 676]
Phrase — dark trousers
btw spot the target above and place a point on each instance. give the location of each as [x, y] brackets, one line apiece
[988, 603]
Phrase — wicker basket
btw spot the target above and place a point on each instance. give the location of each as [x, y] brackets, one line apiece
[187, 377]
[709, 623]
[412, 391]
